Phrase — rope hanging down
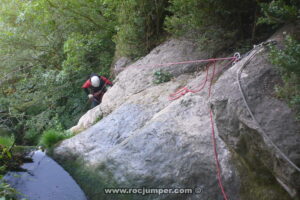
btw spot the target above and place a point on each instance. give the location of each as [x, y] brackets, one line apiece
[185, 90]
[216, 156]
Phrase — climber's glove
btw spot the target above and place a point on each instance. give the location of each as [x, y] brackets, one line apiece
[90, 96]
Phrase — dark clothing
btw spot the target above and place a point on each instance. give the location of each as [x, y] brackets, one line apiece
[94, 103]
[97, 92]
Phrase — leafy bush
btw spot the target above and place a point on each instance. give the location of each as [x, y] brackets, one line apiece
[212, 18]
[229, 22]
[88, 52]
[53, 45]
[161, 76]
[7, 141]
[31, 136]
[139, 25]
[8, 159]
[6, 191]
[280, 12]
[51, 137]
[287, 60]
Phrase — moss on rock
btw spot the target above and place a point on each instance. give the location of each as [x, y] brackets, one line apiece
[257, 182]
[91, 181]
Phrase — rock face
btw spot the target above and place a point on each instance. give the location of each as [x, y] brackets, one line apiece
[121, 64]
[238, 129]
[146, 140]
[87, 120]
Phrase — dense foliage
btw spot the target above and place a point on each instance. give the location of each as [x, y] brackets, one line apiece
[287, 61]
[280, 11]
[236, 23]
[140, 25]
[52, 46]
[49, 47]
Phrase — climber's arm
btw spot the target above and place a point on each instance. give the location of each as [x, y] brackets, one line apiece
[107, 82]
[86, 85]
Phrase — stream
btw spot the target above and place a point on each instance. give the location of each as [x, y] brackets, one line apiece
[44, 180]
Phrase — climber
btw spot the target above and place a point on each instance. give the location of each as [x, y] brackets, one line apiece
[95, 87]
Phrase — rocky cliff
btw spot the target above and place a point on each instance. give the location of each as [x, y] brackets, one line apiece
[145, 140]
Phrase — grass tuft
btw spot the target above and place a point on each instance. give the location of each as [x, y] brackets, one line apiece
[51, 137]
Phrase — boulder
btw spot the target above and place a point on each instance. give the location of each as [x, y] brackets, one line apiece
[141, 147]
[144, 140]
[270, 146]
[139, 76]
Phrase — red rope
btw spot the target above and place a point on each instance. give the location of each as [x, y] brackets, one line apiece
[184, 90]
[212, 78]
[203, 83]
[216, 156]
[214, 139]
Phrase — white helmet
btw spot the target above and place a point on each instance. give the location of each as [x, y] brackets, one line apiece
[95, 80]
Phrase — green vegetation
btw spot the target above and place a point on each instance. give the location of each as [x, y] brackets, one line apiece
[52, 137]
[7, 141]
[280, 12]
[229, 24]
[7, 192]
[161, 76]
[6, 162]
[49, 47]
[287, 61]
[139, 25]
[6, 144]
[53, 46]
[214, 24]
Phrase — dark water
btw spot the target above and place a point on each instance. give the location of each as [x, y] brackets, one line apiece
[45, 180]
